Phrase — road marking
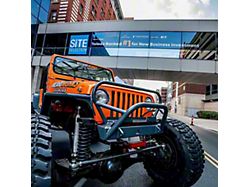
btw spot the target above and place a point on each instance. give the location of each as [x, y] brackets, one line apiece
[214, 131]
[211, 159]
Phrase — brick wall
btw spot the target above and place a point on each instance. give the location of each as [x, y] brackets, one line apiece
[191, 88]
[69, 10]
[103, 10]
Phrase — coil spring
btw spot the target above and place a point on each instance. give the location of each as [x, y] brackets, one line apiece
[84, 141]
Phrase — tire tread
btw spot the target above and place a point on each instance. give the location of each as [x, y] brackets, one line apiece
[194, 153]
[41, 152]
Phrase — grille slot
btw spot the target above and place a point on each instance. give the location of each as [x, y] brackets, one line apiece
[125, 100]
[140, 110]
[128, 104]
[112, 103]
[133, 102]
[137, 101]
[118, 95]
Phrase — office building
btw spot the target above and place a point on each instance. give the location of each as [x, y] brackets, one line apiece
[39, 14]
[62, 11]
[188, 99]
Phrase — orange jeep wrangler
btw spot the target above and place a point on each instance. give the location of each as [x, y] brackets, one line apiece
[84, 124]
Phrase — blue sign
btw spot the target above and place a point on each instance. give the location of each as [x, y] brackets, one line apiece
[165, 40]
[134, 40]
[105, 39]
[78, 44]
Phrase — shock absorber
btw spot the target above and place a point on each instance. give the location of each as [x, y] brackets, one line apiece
[82, 140]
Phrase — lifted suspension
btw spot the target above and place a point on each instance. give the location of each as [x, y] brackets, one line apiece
[77, 165]
[81, 142]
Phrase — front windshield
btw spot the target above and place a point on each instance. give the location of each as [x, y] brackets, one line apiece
[81, 70]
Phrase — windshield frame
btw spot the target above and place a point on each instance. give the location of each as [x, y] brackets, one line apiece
[81, 62]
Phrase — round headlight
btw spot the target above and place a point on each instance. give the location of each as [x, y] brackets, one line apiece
[148, 100]
[102, 96]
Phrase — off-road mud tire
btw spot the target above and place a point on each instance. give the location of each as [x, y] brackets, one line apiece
[41, 153]
[190, 159]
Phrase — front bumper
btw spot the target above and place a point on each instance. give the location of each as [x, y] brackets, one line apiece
[113, 129]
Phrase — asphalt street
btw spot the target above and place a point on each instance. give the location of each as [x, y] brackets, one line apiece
[209, 140]
[136, 175]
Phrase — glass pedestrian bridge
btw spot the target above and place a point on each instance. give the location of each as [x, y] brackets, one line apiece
[143, 49]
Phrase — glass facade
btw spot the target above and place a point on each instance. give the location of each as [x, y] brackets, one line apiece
[39, 14]
[165, 44]
[105, 43]
[134, 44]
[39, 11]
[211, 89]
[180, 45]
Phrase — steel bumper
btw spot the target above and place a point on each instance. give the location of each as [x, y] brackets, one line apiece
[113, 129]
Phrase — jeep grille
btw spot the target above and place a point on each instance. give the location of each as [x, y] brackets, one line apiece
[125, 100]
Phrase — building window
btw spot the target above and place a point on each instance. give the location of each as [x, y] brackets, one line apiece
[53, 16]
[34, 8]
[208, 90]
[198, 45]
[105, 44]
[214, 88]
[54, 43]
[102, 12]
[45, 4]
[93, 11]
[33, 19]
[43, 16]
[134, 44]
[39, 41]
[81, 9]
[55, 40]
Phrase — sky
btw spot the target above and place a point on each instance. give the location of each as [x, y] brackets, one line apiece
[170, 9]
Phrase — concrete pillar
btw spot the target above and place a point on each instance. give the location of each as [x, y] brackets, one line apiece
[36, 79]
[32, 75]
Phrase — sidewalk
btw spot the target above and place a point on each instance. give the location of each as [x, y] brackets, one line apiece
[203, 123]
